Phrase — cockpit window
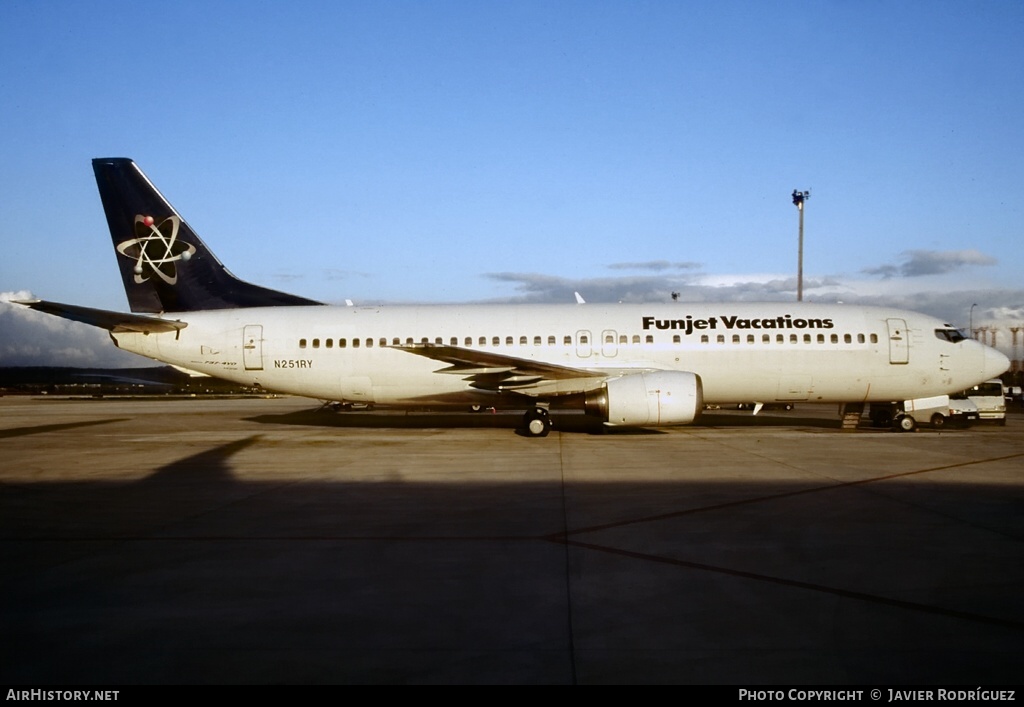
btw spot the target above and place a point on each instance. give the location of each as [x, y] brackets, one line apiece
[950, 334]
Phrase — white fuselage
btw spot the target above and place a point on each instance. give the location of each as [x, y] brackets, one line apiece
[763, 352]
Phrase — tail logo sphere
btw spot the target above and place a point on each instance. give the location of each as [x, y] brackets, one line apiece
[156, 246]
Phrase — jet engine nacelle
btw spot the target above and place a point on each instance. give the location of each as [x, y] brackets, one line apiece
[657, 398]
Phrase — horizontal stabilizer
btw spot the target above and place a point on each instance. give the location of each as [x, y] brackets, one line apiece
[116, 322]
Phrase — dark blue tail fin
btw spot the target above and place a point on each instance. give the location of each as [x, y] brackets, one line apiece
[164, 264]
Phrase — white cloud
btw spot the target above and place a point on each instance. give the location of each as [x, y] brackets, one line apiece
[917, 263]
[31, 338]
[655, 265]
[539, 288]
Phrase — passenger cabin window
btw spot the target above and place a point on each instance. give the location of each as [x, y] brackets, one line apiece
[536, 341]
[316, 343]
[496, 341]
[720, 339]
[302, 343]
[454, 341]
[369, 343]
[704, 338]
[355, 343]
[676, 339]
[636, 338]
[650, 338]
[567, 341]
[847, 339]
[874, 338]
[508, 341]
[551, 340]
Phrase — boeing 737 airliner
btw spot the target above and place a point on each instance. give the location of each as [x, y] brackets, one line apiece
[626, 364]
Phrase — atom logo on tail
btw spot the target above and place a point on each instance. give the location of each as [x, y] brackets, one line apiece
[157, 246]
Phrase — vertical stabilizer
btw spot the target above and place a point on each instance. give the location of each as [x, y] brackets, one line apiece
[164, 264]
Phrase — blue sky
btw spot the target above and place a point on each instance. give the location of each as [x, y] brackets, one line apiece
[476, 151]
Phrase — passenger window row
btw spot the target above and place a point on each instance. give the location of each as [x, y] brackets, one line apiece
[793, 338]
[609, 338]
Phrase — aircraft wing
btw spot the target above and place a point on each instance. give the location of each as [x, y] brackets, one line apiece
[111, 321]
[499, 372]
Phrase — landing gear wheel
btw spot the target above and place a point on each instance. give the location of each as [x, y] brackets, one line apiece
[537, 422]
[905, 423]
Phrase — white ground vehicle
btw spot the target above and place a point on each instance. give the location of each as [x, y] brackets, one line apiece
[962, 411]
[937, 411]
[991, 401]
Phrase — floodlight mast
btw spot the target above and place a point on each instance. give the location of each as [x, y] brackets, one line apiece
[799, 197]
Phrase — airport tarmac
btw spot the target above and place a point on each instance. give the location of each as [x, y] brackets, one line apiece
[215, 541]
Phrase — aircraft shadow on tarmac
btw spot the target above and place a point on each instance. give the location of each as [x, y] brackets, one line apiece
[400, 419]
[562, 421]
[61, 427]
[194, 575]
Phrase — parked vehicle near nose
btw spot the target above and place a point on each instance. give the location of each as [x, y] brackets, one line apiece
[937, 411]
[962, 412]
[990, 400]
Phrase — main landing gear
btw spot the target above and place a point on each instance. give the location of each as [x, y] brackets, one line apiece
[891, 416]
[536, 422]
[904, 423]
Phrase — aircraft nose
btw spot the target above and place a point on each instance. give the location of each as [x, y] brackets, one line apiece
[995, 364]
